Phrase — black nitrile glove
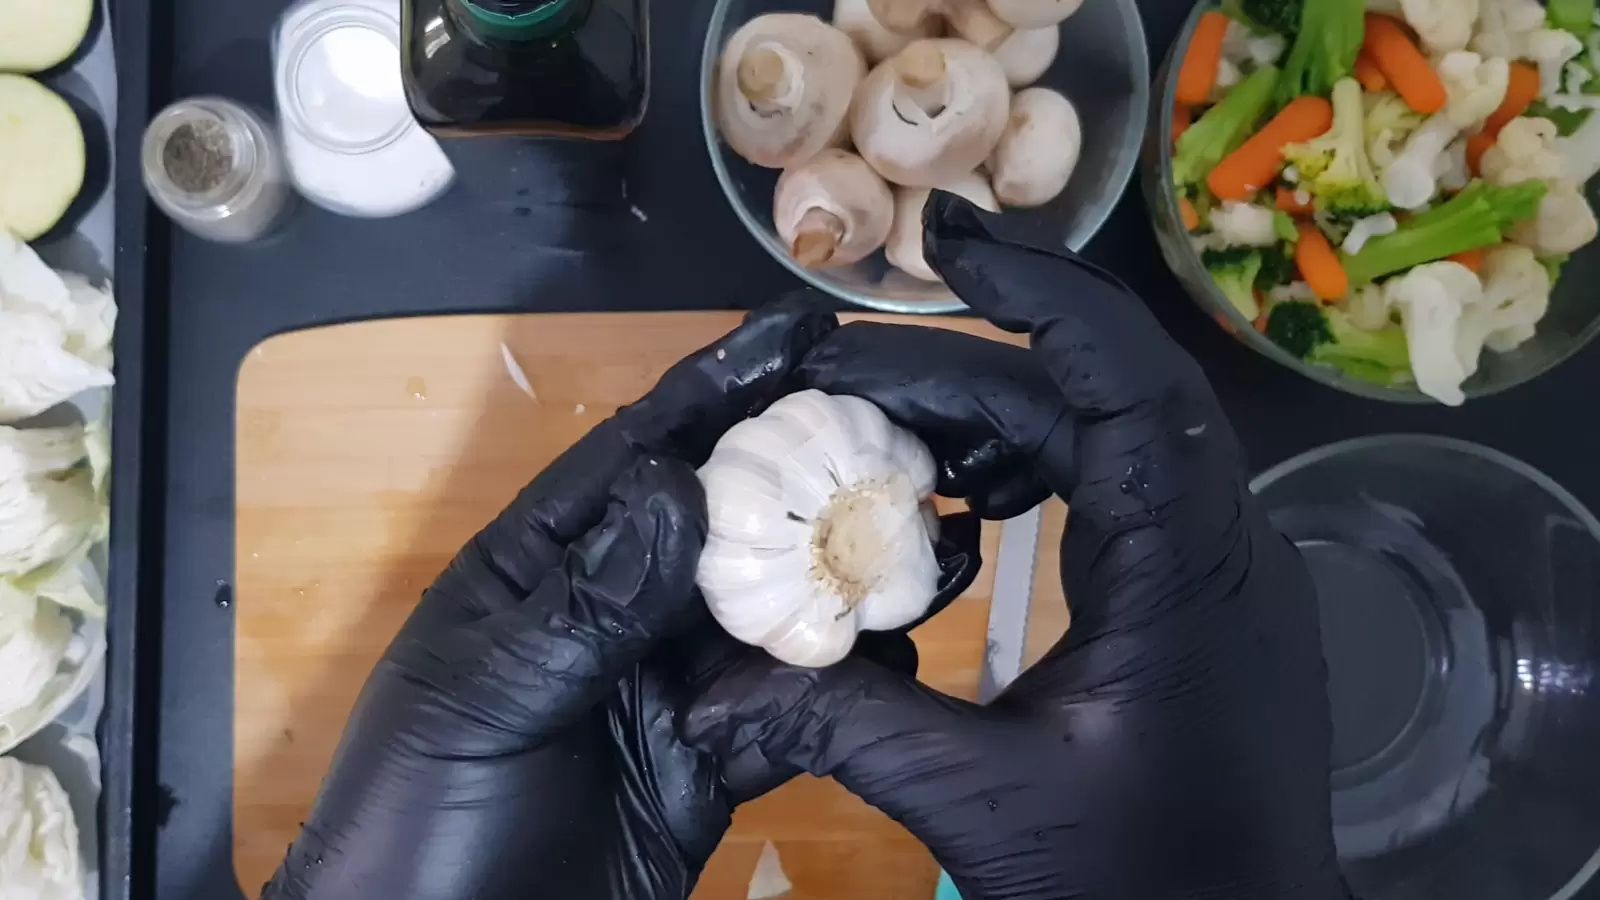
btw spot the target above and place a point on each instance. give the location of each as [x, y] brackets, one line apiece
[519, 737]
[1175, 743]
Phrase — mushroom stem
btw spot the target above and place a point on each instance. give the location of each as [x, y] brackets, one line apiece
[763, 77]
[975, 21]
[907, 17]
[816, 237]
[920, 65]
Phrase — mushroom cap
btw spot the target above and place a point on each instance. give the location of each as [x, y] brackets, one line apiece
[904, 247]
[832, 210]
[931, 113]
[1039, 149]
[1034, 13]
[1027, 54]
[877, 42]
[784, 86]
[907, 17]
[976, 22]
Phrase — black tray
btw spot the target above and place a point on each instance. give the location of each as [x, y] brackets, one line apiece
[531, 226]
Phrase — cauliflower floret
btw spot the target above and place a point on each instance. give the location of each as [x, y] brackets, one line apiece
[1564, 222]
[1334, 166]
[1551, 49]
[1431, 299]
[1505, 25]
[1388, 121]
[1294, 290]
[1516, 295]
[1580, 151]
[1228, 75]
[1243, 225]
[1450, 167]
[1409, 179]
[1443, 25]
[1525, 150]
[1365, 307]
[1246, 49]
[1473, 85]
[1366, 228]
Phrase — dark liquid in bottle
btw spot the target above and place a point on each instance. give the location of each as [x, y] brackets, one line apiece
[563, 68]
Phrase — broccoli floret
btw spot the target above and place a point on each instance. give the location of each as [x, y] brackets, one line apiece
[1278, 16]
[1325, 48]
[1234, 269]
[1477, 217]
[1277, 267]
[1334, 167]
[1324, 335]
[1223, 127]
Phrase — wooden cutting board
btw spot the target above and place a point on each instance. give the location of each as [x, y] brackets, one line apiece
[369, 453]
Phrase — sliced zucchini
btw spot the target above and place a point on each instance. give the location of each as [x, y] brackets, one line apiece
[42, 157]
[36, 35]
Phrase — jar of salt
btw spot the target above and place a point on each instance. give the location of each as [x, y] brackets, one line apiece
[215, 168]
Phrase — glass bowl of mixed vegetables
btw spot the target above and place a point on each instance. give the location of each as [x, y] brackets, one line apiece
[1389, 197]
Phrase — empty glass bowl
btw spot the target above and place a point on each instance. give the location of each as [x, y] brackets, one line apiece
[1574, 316]
[1103, 67]
[1460, 601]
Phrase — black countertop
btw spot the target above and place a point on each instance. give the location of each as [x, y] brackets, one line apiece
[545, 227]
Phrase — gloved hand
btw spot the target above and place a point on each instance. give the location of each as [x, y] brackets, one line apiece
[518, 738]
[1175, 743]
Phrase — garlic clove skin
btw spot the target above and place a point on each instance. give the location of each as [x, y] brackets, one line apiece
[845, 545]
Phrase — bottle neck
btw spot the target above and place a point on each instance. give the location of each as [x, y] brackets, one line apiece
[517, 20]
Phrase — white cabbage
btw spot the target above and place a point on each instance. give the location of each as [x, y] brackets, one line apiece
[51, 507]
[38, 836]
[55, 333]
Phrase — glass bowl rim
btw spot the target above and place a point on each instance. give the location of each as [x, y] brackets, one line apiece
[1124, 163]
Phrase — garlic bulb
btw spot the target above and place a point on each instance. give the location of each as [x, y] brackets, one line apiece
[819, 527]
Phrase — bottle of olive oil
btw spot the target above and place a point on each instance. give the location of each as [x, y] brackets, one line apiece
[560, 68]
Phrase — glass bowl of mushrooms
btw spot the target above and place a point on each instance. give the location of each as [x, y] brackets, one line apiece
[830, 121]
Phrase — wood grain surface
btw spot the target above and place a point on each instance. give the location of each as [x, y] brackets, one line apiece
[369, 453]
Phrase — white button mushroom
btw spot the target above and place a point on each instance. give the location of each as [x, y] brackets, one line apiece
[784, 87]
[1027, 54]
[1039, 149]
[832, 210]
[904, 248]
[819, 527]
[931, 113]
[877, 42]
[970, 19]
[1034, 13]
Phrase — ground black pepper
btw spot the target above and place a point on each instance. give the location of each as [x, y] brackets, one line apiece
[198, 156]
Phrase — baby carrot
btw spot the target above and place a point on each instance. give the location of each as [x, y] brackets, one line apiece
[1476, 145]
[1191, 218]
[1367, 72]
[1249, 168]
[1472, 259]
[1403, 64]
[1180, 122]
[1198, 73]
[1286, 201]
[1521, 90]
[1319, 266]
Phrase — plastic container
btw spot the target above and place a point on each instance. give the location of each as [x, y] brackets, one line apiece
[1573, 319]
[1103, 67]
[349, 140]
[238, 192]
[1457, 589]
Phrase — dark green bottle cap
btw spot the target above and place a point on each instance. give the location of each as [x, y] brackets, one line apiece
[517, 20]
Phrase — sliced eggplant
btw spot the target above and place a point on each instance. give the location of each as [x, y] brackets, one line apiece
[43, 157]
[36, 35]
